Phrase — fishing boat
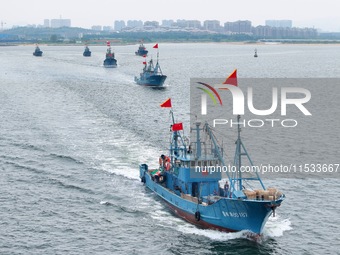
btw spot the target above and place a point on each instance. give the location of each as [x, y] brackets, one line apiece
[110, 61]
[87, 52]
[200, 197]
[255, 55]
[37, 52]
[141, 50]
[152, 75]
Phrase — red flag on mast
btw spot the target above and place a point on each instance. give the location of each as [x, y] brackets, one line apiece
[232, 79]
[166, 103]
[155, 46]
[177, 126]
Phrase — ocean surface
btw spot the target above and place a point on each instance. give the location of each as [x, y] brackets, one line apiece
[73, 133]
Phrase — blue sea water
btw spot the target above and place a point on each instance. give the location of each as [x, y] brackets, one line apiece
[73, 133]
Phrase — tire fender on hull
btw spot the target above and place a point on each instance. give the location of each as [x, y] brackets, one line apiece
[197, 216]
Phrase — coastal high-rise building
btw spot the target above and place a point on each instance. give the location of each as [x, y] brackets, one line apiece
[134, 23]
[279, 23]
[97, 28]
[107, 28]
[151, 24]
[212, 25]
[167, 23]
[284, 32]
[119, 25]
[238, 27]
[46, 23]
[183, 23]
[55, 23]
[194, 24]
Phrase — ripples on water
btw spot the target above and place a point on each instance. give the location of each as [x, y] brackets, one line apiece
[72, 134]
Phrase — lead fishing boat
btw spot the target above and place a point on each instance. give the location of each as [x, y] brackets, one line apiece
[199, 197]
[110, 61]
[87, 52]
[152, 75]
[141, 50]
[37, 52]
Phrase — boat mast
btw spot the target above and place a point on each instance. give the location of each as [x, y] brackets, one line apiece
[175, 138]
[172, 116]
[198, 140]
[218, 148]
[239, 151]
[157, 66]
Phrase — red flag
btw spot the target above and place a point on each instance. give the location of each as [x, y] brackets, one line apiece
[166, 103]
[232, 79]
[156, 46]
[177, 126]
[107, 43]
[144, 63]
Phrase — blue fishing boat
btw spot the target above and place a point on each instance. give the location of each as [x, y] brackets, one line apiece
[37, 52]
[152, 75]
[110, 61]
[141, 50]
[87, 52]
[200, 197]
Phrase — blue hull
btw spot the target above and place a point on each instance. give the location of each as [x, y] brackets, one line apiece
[225, 214]
[110, 63]
[141, 52]
[153, 80]
[37, 53]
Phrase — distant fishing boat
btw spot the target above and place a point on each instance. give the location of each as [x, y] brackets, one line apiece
[37, 52]
[255, 55]
[199, 197]
[141, 50]
[152, 74]
[110, 61]
[87, 52]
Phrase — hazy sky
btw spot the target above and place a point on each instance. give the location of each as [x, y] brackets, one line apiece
[323, 14]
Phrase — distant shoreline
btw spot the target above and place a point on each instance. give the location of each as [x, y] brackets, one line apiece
[179, 42]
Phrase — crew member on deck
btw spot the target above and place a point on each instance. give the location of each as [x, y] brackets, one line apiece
[164, 162]
[161, 160]
[226, 188]
[167, 164]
